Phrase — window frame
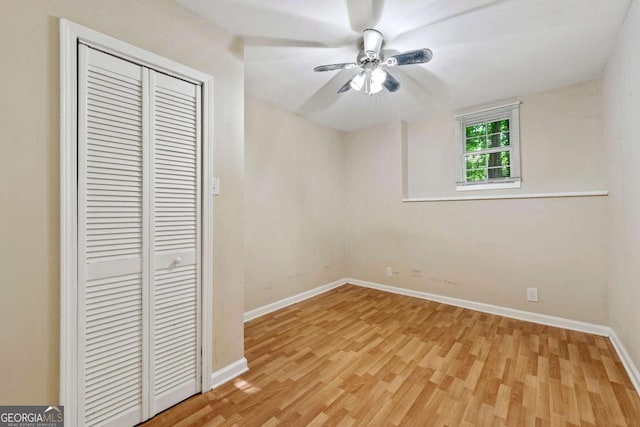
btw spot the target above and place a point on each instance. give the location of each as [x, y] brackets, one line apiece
[509, 112]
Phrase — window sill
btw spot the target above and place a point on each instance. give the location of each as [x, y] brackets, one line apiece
[489, 186]
[510, 196]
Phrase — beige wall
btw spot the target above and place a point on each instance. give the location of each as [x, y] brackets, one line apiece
[333, 200]
[487, 251]
[294, 197]
[621, 96]
[560, 143]
[29, 173]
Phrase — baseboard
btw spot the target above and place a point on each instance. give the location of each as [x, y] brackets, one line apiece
[265, 309]
[626, 360]
[228, 373]
[528, 316]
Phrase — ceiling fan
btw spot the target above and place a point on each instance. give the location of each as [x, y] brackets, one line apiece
[374, 76]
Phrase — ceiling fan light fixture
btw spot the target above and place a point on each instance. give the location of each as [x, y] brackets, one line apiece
[376, 81]
[372, 81]
[378, 76]
[373, 88]
[358, 81]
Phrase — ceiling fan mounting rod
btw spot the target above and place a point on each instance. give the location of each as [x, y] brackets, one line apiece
[372, 43]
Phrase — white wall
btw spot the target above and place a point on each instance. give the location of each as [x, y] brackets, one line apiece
[294, 200]
[29, 173]
[486, 251]
[621, 100]
[560, 143]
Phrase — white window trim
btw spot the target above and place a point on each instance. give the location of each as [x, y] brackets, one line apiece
[70, 35]
[508, 111]
[509, 183]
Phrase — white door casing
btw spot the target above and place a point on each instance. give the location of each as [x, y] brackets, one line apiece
[115, 264]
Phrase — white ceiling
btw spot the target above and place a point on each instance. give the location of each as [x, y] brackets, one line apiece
[484, 50]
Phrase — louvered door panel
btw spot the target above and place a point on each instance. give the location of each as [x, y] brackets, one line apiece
[138, 240]
[110, 228]
[176, 195]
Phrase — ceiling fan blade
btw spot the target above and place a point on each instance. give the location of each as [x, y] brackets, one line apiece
[419, 56]
[255, 41]
[424, 87]
[391, 83]
[326, 95]
[332, 67]
[372, 43]
[468, 11]
[419, 30]
[274, 19]
[345, 87]
[364, 13]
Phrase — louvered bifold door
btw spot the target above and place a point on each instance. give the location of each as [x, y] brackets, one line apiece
[138, 240]
[110, 239]
[175, 227]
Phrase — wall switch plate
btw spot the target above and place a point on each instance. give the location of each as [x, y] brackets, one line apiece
[389, 271]
[532, 294]
[215, 186]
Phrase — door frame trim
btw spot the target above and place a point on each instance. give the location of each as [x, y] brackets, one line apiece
[70, 34]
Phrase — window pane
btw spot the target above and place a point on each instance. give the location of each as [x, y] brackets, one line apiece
[477, 161]
[499, 126]
[505, 158]
[476, 175]
[479, 129]
[495, 159]
[499, 172]
[475, 144]
[499, 140]
[499, 165]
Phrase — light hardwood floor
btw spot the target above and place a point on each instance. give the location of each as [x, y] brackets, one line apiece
[356, 356]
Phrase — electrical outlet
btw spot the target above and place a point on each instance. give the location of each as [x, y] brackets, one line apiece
[389, 271]
[532, 294]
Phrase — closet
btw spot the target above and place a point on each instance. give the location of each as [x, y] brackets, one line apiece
[139, 249]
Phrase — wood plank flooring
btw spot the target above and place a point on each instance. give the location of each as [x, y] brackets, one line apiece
[357, 356]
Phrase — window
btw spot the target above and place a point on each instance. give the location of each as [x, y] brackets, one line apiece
[488, 145]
